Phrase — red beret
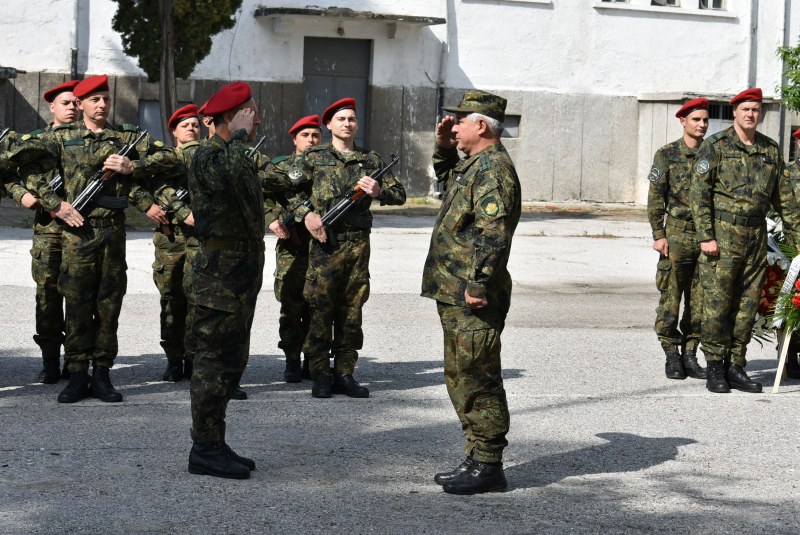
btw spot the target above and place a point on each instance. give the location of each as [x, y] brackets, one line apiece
[749, 94]
[51, 94]
[93, 84]
[796, 134]
[186, 112]
[344, 104]
[227, 98]
[692, 105]
[311, 121]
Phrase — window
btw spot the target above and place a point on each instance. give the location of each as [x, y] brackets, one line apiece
[723, 112]
[671, 3]
[712, 4]
[511, 126]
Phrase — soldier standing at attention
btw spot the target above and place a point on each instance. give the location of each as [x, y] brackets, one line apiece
[466, 273]
[228, 206]
[291, 250]
[739, 174]
[170, 243]
[337, 282]
[92, 278]
[674, 239]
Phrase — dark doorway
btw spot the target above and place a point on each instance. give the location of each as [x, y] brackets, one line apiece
[334, 69]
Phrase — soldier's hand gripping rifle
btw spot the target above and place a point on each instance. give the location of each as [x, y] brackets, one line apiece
[183, 194]
[341, 208]
[98, 181]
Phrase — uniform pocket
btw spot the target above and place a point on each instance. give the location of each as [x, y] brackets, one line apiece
[663, 273]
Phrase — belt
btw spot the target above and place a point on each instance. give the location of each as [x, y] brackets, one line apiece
[232, 245]
[106, 222]
[744, 221]
[680, 223]
[352, 235]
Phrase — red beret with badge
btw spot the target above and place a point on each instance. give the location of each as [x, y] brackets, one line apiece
[93, 84]
[754, 93]
[186, 112]
[343, 104]
[227, 98]
[692, 105]
[51, 94]
[310, 121]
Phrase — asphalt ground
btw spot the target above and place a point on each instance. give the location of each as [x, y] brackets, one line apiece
[600, 441]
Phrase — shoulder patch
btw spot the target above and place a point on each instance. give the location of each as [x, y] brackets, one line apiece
[158, 143]
[490, 206]
[655, 174]
[702, 167]
[786, 173]
[25, 137]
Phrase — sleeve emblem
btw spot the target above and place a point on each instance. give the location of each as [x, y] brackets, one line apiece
[490, 206]
[655, 174]
[702, 167]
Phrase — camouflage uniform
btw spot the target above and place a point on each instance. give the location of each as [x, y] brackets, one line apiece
[227, 202]
[291, 259]
[676, 276]
[337, 280]
[469, 251]
[733, 186]
[92, 278]
[175, 247]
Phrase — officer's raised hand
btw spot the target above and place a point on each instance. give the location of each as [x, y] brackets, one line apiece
[445, 137]
[244, 118]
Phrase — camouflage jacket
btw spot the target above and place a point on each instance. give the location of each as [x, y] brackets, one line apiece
[167, 187]
[743, 180]
[794, 176]
[9, 178]
[286, 169]
[670, 178]
[471, 239]
[79, 153]
[333, 174]
[225, 188]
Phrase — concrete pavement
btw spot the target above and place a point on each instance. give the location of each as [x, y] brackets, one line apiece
[600, 441]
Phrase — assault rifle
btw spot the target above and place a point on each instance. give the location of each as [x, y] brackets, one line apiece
[99, 180]
[341, 208]
[182, 193]
[4, 133]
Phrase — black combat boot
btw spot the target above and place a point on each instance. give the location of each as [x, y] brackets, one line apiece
[249, 463]
[443, 478]
[188, 368]
[347, 385]
[293, 372]
[321, 387]
[174, 371]
[715, 377]
[51, 365]
[211, 458]
[738, 379]
[792, 364]
[77, 388]
[238, 394]
[306, 368]
[102, 388]
[65, 371]
[480, 477]
[673, 368]
[691, 366]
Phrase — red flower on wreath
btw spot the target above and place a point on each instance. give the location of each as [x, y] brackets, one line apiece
[796, 300]
[771, 289]
[797, 285]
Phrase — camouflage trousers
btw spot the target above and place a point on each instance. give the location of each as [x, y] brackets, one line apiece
[336, 288]
[226, 288]
[678, 279]
[45, 268]
[472, 373]
[189, 341]
[93, 281]
[168, 268]
[732, 284]
[291, 264]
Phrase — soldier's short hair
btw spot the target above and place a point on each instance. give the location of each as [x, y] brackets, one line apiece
[495, 126]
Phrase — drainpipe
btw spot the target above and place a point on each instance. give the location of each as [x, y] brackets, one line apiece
[787, 13]
[752, 69]
[74, 50]
[437, 190]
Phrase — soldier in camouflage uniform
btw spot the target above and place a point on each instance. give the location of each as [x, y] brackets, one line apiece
[466, 273]
[291, 250]
[9, 178]
[228, 205]
[93, 278]
[670, 217]
[170, 243]
[337, 281]
[739, 174]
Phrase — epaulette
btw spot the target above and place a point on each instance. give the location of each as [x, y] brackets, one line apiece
[318, 148]
[35, 133]
[484, 161]
[130, 127]
[716, 137]
[278, 159]
[767, 140]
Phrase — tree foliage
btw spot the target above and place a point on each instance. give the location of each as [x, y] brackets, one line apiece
[194, 23]
[790, 92]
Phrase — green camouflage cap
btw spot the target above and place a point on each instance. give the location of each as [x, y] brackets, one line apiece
[476, 101]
